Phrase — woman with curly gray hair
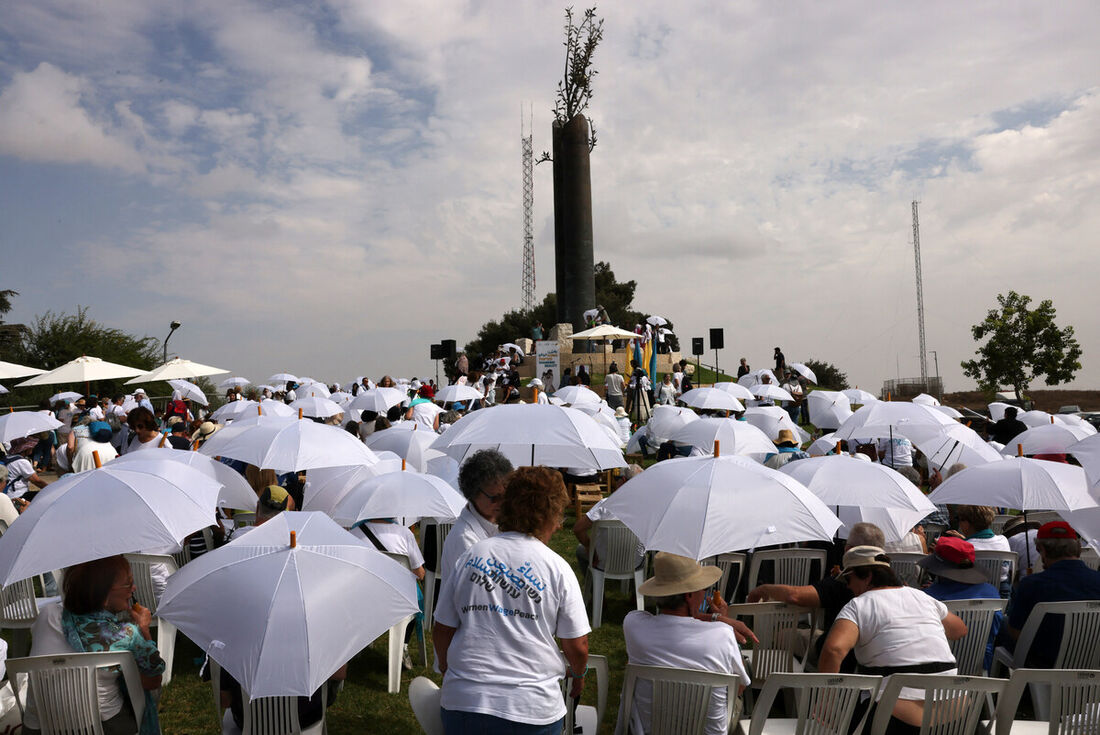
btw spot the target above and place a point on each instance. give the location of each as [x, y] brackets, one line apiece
[501, 615]
[481, 480]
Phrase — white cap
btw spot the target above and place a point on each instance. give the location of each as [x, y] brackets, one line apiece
[535, 383]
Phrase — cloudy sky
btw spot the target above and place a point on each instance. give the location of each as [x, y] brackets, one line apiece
[328, 188]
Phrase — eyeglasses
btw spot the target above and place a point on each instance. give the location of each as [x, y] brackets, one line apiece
[492, 498]
[125, 585]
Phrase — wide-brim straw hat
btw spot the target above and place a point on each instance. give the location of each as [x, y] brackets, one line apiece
[786, 436]
[678, 575]
[864, 556]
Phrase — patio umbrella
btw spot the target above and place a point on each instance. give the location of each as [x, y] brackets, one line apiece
[190, 391]
[378, 400]
[316, 407]
[604, 331]
[1017, 483]
[769, 391]
[703, 506]
[736, 390]
[926, 400]
[773, 419]
[575, 394]
[82, 370]
[296, 598]
[285, 444]
[234, 382]
[456, 393]
[327, 486]
[711, 398]
[804, 371]
[1045, 439]
[13, 370]
[145, 504]
[235, 491]
[406, 495]
[733, 437]
[175, 368]
[24, 423]
[859, 397]
[533, 434]
[828, 409]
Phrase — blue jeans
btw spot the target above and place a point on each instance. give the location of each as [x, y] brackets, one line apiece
[475, 723]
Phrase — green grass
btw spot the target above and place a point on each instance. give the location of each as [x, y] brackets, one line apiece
[364, 706]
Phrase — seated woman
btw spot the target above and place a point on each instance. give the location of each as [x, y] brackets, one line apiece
[894, 629]
[96, 615]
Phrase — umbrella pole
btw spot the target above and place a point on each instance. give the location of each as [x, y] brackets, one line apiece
[532, 454]
[944, 463]
[1027, 544]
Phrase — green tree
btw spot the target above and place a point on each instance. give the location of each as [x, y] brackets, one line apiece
[1023, 344]
[828, 375]
[10, 334]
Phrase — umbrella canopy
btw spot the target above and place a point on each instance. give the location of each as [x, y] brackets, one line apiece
[753, 377]
[949, 412]
[285, 444]
[533, 434]
[1087, 452]
[733, 437]
[315, 389]
[768, 390]
[24, 423]
[456, 393]
[82, 370]
[1035, 418]
[282, 378]
[735, 389]
[65, 395]
[1071, 419]
[3, 390]
[234, 410]
[666, 421]
[859, 397]
[412, 446]
[316, 407]
[189, 391]
[575, 394]
[1017, 483]
[327, 486]
[513, 346]
[886, 418]
[1045, 439]
[828, 409]
[235, 491]
[290, 610]
[378, 400]
[604, 331]
[234, 382]
[952, 445]
[822, 445]
[399, 494]
[804, 371]
[773, 419]
[657, 321]
[711, 398]
[703, 506]
[13, 370]
[116, 509]
[177, 368]
[997, 410]
[926, 400]
[271, 407]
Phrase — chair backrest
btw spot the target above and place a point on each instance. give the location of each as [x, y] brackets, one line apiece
[933, 531]
[904, 564]
[17, 603]
[826, 702]
[424, 697]
[993, 564]
[618, 547]
[969, 651]
[776, 625]
[732, 566]
[1074, 700]
[791, 566]
[264, 715]
[1080, 646]
[65, 691]
[244, 518]
[952, 704]
[1091, 558]
[999, 522]
[680, 698]
[598, 666]
[142, 567]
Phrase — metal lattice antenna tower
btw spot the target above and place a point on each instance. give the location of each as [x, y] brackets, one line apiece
[920, 300]
[528, 205]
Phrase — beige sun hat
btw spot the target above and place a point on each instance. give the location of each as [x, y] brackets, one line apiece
[678, 575]
[864, 556]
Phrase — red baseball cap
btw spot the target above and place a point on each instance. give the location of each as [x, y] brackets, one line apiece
[954, 550]
[1056, 530]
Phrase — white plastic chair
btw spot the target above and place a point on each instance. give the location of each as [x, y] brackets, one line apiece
[952, 704]
[184, 555]
[440, 531]
[424, 697]
[776, 626]
[933, 531]
[1074, 703]
[587, 717]
[993, 564]
[904, 564]
[733, 567]
[65, 690]
[620, 560]
[826, 703]
[264, 715]
[679, 702]
[397, 637]
[18, 611]
[142, 567]
[1091, 558]
[791, 566]
[1079, 648]
[998, 524]
[969, 651]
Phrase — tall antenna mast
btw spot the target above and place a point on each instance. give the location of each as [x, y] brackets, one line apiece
[920, 301]
[526, 140]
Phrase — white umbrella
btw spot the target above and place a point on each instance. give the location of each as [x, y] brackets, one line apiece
[828, 409]
[146, 504]
[735, 389]
[733, 437]
[412, 446]
[773, 419]
[604, 416]
[271, 407]
[1070, 419]
[533, 434]
[804, 371]
[24, 423]
[235, 491]
[859, 397]
[1017, 483]
[265, 386]
[949, 412]
[65, 395]
[753, 377]
[190, 391]
[703, 506]
[286, 444]
[3, 390]
[282, 378]
[926, 400]
[886, 418]
[315, 389]
[82, 370]
[997, 410]
[822, 446]
[513, 346]
[767, 390]
[1035, 418]
[604, 331]
[234, 410]
[316, 407]
[296, 598]
[399, 494]
[1087, 452]
[457, 393]
[1045, 439]
[176, 368]
[657, 321]
[234, 382]
[14, 370]
[340, 397]
[576, 394]
[952, 445]
[711, 398]
[378, 400]
[665, 421]
[327, 486]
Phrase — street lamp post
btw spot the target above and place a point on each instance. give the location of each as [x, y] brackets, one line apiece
[173, 327]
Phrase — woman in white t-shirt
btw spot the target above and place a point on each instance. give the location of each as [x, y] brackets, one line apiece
[501, 615]
[893, 629]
